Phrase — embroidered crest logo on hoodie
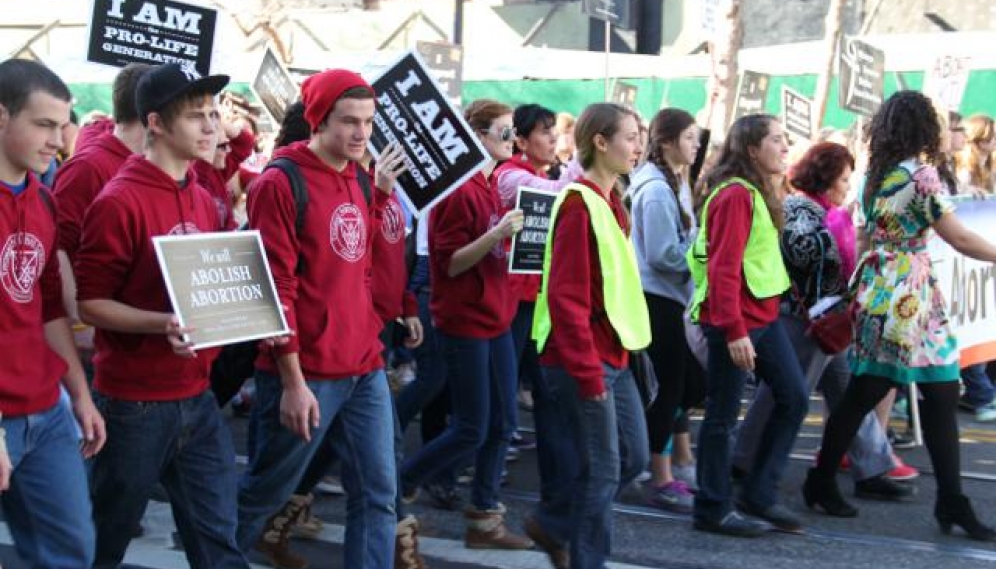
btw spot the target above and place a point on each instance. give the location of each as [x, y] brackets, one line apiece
[348, 232]
[393, 222]
[21, 263]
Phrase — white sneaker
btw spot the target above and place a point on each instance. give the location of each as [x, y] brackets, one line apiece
[330, 485]
[686, 474]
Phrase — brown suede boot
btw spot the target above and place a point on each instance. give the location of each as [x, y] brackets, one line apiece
[560, 556]
[406, 554]
[486, 530]
[306, 525]
[274, 544]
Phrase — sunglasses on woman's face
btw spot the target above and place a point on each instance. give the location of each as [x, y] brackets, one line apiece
[506, 134]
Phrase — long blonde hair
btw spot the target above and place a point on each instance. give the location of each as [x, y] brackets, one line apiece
[971, 163]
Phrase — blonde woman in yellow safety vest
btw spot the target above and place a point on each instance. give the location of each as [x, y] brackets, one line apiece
[589, 314]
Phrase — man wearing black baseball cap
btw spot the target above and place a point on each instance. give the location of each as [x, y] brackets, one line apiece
[153, 387]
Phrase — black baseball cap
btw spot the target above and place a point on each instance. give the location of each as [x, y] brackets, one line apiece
[165, 83]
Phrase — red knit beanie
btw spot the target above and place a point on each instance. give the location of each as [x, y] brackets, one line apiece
[321, 91]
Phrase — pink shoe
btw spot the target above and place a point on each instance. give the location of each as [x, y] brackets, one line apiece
[902, 471]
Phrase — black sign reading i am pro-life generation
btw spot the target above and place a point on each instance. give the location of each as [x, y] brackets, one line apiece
[441, 150]
[529, 245]
[152, 32]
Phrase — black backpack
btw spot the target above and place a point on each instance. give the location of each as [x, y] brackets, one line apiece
[237, 362]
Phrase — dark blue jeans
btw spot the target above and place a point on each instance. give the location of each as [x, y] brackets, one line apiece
[979, 389]
[609, 439]
[776, 364]
[525, 347]
[430, 373]
[48, 505]
[363, 406]
[482, 382]
[186, 446]
[556, 458]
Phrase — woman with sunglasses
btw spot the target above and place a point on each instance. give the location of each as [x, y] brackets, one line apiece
[473, 315]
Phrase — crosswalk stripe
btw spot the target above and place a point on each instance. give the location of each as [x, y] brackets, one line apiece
[155, 548]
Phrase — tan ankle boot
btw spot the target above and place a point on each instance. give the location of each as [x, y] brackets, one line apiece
[486, 530]
[406, 555]
[274, 545]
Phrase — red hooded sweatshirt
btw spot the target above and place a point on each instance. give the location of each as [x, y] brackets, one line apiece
[117, 261]
[91, 131]
[389, 273]
[329, 303]
[581, 338]
[78, 182]
[524, 288]
[477, 302]
[31, 297]
[215, 181]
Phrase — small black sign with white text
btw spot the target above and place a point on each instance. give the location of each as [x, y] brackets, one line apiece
[529, 245]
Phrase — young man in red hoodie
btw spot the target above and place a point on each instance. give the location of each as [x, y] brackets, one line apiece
[235, 144]
[80, 179]
[331, 368]
[43, 487]
[162, 420]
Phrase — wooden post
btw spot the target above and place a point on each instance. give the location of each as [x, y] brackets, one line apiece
[832, 32]
[722, 83]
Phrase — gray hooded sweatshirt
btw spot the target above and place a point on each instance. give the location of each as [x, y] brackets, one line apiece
[658, 236]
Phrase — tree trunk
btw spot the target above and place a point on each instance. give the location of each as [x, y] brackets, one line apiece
[722, 85]
[832, 30]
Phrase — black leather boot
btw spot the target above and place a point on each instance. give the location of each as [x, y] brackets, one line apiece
[821, 490]
[957, 510]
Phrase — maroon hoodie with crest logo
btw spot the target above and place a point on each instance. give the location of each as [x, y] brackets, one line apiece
[30, 297]
[117, 261]
[328, 298]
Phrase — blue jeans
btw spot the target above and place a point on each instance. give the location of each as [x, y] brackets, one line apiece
[186, 446]
[430, 369]
[776, 364]
[610, 440]
[482, 383]
[525, 347]
[362, 405]
[48, 505]
[870, 452]
[979, 389]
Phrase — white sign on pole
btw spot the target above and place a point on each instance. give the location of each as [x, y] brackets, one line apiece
[945, 80]
[711, 14]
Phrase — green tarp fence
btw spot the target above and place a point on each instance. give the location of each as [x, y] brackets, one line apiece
[572, 95]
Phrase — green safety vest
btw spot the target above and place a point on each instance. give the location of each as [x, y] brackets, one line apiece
[763, 266]
[625, 304]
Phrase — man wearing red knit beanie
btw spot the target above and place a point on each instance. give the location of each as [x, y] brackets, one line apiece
[331, 368]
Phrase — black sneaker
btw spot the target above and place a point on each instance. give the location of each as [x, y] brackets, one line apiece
[733, 524]
[523, 442]
[444, 497]
[900, 441]
[780, 517]
[882, 488]
[966, 405]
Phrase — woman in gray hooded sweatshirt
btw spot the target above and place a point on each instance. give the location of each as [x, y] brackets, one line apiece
[663, 230]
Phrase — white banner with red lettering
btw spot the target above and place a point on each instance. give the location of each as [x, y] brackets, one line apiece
[968, 285]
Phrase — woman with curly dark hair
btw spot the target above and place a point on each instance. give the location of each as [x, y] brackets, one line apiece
[902, 333]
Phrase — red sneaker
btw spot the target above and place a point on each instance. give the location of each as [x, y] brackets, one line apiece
[902, 471]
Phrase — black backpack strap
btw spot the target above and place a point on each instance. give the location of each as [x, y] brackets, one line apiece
[300, 193]
[364, 180]
[49, 201]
